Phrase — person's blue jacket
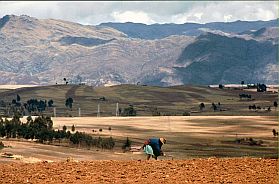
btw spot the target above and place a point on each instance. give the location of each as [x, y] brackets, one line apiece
[156, 146]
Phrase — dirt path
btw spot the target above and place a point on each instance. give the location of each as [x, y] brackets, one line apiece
[71, 92]
[212, 170]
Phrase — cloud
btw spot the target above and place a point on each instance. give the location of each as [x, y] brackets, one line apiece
[95, 12]
[229, 11]
[130, 16]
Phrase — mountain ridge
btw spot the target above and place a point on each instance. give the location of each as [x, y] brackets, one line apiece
[44, 51]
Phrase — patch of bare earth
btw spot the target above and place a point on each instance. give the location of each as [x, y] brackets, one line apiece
[211, 170]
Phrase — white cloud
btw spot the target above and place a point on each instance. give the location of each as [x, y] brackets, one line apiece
[227, 18]
[95, 12]
[130, 16]
[229, 11]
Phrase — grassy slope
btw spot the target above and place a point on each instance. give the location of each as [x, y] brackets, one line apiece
[168, 100]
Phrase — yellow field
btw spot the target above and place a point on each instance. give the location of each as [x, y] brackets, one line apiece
[187, 137]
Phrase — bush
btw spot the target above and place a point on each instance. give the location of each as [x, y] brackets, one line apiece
[186, 114]
[129, 111]
[127, 144]
[1, 145]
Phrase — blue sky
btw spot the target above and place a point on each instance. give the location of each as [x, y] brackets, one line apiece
[147, 12]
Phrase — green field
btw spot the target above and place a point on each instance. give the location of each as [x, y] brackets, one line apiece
[147, 100]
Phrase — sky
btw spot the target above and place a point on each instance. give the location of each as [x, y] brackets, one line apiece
[148, 12]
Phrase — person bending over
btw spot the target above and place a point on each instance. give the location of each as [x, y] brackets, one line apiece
[152, 147]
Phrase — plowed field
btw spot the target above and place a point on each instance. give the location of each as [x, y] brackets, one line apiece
[211, 170]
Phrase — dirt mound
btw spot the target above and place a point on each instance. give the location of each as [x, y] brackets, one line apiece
[212, 170]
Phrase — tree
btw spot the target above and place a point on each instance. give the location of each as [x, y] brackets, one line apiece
[14, 101]
[64, 128]
[64, 79]
[73, 128]
[214, 107]
[242, 82]
[50, 103]
[261, 87]
[202, 106]
[221, 86]
[275, 104]
[69, 102]
[275, 133]
[17, 98]
[127, 144]
[129, 111]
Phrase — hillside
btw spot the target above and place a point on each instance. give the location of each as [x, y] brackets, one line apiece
[219, 59]
[147, 100]
[34, 51]
[45, 51]
[159, 31]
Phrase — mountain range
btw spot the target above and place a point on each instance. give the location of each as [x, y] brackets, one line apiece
[45, 51]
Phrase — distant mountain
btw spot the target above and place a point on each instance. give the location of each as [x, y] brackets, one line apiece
[34, 51]
[218, 59]
[158, 31]
[44, 51]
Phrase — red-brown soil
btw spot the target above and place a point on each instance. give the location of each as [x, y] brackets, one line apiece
[212, 170]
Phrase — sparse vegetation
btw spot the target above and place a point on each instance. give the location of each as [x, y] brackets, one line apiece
[129, 111]
[249, 141]
[69, 103]
[213, 106]
[247, 96]
[274, 132]
[202, 106]
[73, 128]
[261, 87]
[127, 144]
[186, 114]
[1, 145]
[275, 104]
[151, 101]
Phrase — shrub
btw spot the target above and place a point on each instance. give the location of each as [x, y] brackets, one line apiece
[73, 128]
[127, 144]
[1, 145]
[129, 111]
[186, 114]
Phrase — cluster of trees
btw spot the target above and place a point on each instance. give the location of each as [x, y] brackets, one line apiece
[244, 96]
[34, 105]
[254, 107]
[80, 138]
[261, 87]
[249, 141]
[128, 111]
[42, 129]
[213, 106]
[31, 105]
